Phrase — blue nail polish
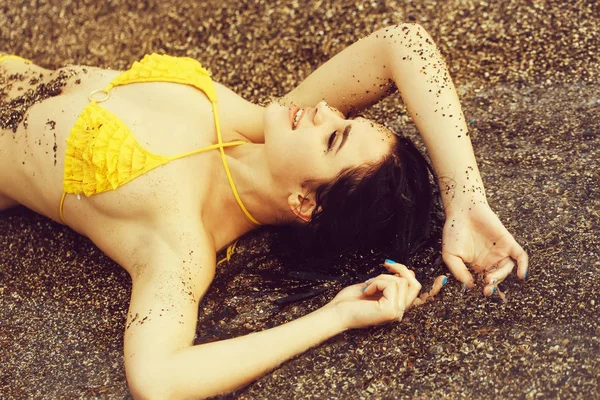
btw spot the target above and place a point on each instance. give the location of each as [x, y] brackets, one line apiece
[525, 275]
[365, 288]
[390, 261]
[444, 281]
[493, 291]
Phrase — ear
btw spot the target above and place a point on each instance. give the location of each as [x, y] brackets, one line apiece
[302, 206]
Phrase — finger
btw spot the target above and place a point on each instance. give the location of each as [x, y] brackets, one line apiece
[398, 268]
[522, 258]
[403, 271]
[458, 269]
[400, 301]
[385, 286]
[387, 277]
[389, 299]
[413, 286]
[417, 302]
[494, 290]
[497, 275]
[437, 286]
[489, 290]
[407, 293]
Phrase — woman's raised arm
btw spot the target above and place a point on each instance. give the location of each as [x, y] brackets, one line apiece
[405, 55]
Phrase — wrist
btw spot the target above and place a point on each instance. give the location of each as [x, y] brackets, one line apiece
[336, 317]
[464, 192]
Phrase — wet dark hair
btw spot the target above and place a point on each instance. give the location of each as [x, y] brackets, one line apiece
[384, 205]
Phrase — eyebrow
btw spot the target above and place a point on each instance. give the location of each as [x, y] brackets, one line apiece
[344, 137]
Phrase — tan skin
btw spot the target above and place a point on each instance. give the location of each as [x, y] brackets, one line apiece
[166, 226]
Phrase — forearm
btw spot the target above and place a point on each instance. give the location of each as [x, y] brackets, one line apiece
[426, 87]
[219, 367]
[352, 80]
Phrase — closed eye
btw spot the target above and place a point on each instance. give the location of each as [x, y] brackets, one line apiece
[331, 140]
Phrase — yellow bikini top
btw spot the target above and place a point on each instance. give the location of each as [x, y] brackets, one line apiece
[7, 57]
[102, 153]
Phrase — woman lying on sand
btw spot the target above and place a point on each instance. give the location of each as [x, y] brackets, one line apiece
[161, 168]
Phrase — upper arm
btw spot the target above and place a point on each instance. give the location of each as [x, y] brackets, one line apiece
[187, 261]
[168, 282]
[357, 77]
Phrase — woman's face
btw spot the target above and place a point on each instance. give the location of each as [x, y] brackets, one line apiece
[317, 143]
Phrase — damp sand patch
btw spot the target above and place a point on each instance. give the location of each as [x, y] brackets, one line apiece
[13, 111]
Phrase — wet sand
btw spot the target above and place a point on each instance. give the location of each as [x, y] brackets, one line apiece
[527, 73]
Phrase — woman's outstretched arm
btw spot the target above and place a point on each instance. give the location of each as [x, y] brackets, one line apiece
[162, 362]
[406, 56]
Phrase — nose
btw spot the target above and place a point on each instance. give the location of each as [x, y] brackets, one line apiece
[324, 111]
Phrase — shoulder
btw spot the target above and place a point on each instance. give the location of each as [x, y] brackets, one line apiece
[173, 248]
[239, 115]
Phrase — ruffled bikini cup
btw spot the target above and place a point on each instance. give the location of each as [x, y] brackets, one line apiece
[102, 153]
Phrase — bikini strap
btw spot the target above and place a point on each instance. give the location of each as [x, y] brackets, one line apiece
[227, 171]
[60, 209]
[183, 70]
[207, 148]
[230, 252]
[220, 145]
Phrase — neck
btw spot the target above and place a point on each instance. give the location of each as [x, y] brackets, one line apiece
[222, 215]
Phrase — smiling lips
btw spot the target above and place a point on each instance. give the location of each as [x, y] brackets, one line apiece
[296, 114]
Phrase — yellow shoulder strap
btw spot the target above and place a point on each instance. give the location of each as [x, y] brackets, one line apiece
[227, 171]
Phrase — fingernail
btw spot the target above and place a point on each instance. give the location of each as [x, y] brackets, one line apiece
[365, 288]
[493, 291]
[444, 281]
[369, 281]
[465, 288]
[525, 275]
[390, 261]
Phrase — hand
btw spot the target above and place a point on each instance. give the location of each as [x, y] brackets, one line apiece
[382, 299]
[474, 235]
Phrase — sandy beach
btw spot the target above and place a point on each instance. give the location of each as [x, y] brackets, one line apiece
[528, 76]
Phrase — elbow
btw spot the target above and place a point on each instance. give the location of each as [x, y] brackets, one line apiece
[402, 41]
[158, 381]
[399, 30]
[147, 383]
[399, 36]
[411, 30]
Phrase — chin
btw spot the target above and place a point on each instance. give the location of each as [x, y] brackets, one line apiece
[276, 119]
